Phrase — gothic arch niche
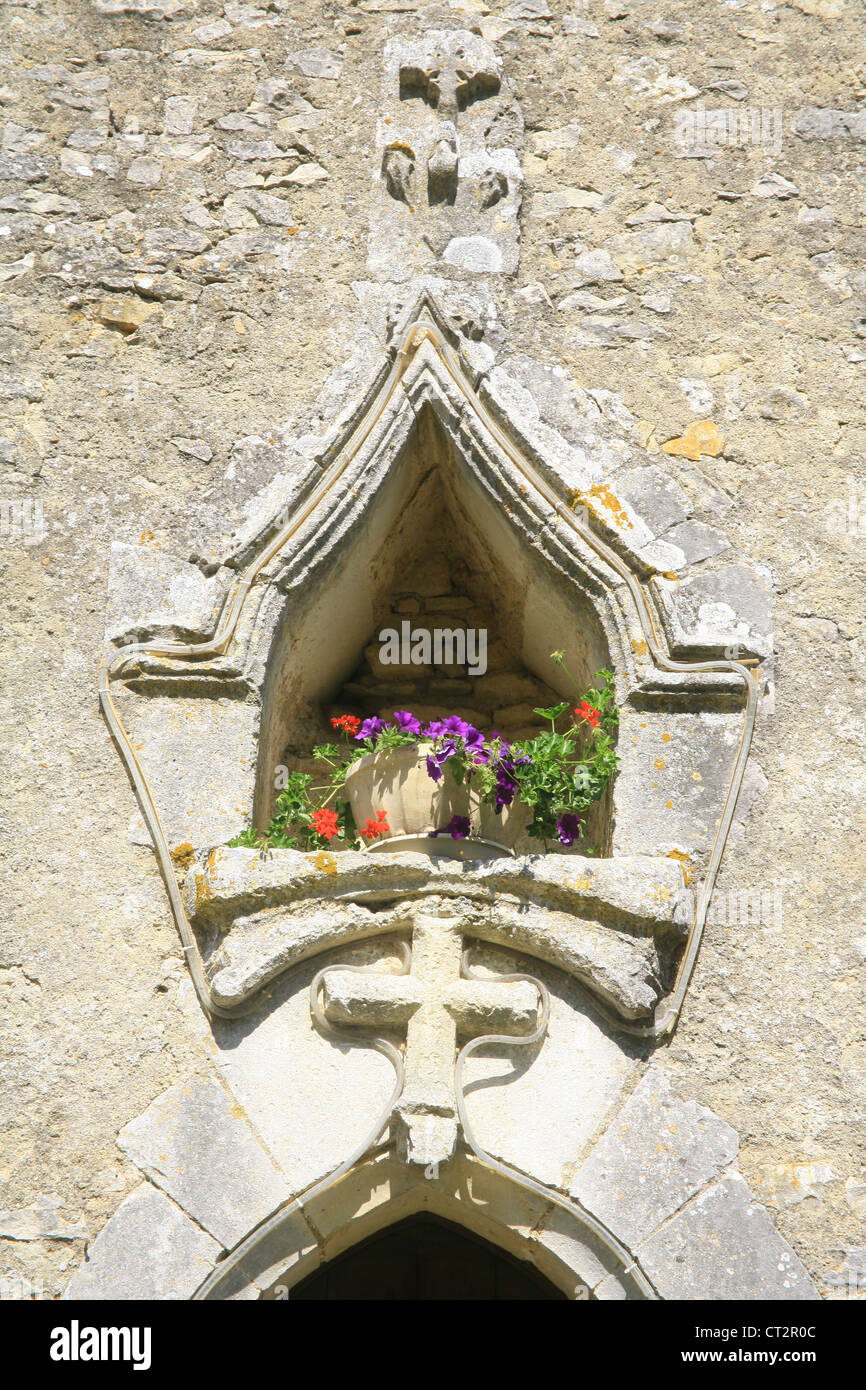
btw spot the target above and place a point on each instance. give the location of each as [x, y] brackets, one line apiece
[380, 1195]
[434, 525]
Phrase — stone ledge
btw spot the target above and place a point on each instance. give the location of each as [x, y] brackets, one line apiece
[711, 614]
[152, 594]
[641, 889]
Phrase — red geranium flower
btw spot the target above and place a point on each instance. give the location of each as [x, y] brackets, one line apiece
[324, 822]
[347, 722]
[374, 828]
[588, 714]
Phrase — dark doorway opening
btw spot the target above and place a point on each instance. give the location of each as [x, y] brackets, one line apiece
[425, 1257]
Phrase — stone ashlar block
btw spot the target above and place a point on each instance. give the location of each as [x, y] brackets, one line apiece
[511, 715]
[656, 498]
[152, 594]
[428, 577]
[655, 1155]
[727, 608]
[148, 1250]
[722, 1246]
[194, 1142]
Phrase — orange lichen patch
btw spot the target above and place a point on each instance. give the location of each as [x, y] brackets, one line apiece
[639, 646]
[146, 536]
[602, 494]
[658, 762]
[686, 862]
[666, 738]
[202, 890]
[325, 862]
[669, 805]
[696, 777]
[660, 893]
[183, 855]
[602, 503]
[701, 437]
[401, 145]
[582, 884]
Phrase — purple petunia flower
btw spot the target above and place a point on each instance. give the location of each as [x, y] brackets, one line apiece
[436, 761]
[505, 790]
[438, 728]
[506, 782]
[458, 828]
[371, 728]
[568, 826]
[407, 722]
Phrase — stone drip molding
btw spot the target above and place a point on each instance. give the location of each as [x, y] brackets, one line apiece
[666, 637]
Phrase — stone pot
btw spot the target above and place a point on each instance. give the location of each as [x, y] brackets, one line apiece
[397, 783]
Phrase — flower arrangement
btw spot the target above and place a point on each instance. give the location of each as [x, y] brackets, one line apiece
[557, 774]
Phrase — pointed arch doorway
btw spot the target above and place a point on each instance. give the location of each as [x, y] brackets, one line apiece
[426, 1257]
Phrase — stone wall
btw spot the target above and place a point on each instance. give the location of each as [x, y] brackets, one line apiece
[189, 259]
[435, 595]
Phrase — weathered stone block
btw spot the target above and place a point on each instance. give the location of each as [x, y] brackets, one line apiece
[148, 1250]
[153, 594]
[728, 608]
[724, 1246]
[657, 1152]
[194, 1142]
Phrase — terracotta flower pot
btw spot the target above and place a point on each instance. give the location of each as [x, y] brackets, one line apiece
[397, 782]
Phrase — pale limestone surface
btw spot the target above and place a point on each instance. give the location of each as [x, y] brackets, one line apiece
[731, 304]
[311, 1100]
[148, 1250]
[195, 1143]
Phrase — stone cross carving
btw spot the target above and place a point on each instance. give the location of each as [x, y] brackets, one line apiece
[448, 144]
[455, 74]
[434, 1004]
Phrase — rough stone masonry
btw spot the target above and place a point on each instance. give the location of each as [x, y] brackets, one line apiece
[206, 231]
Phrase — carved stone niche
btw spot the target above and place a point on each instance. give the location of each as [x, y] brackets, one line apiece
[437, 456]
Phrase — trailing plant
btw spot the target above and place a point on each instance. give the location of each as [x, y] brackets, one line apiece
[558, 774]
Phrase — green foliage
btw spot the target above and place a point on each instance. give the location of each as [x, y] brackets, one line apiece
[291, 826]
[560, 774]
